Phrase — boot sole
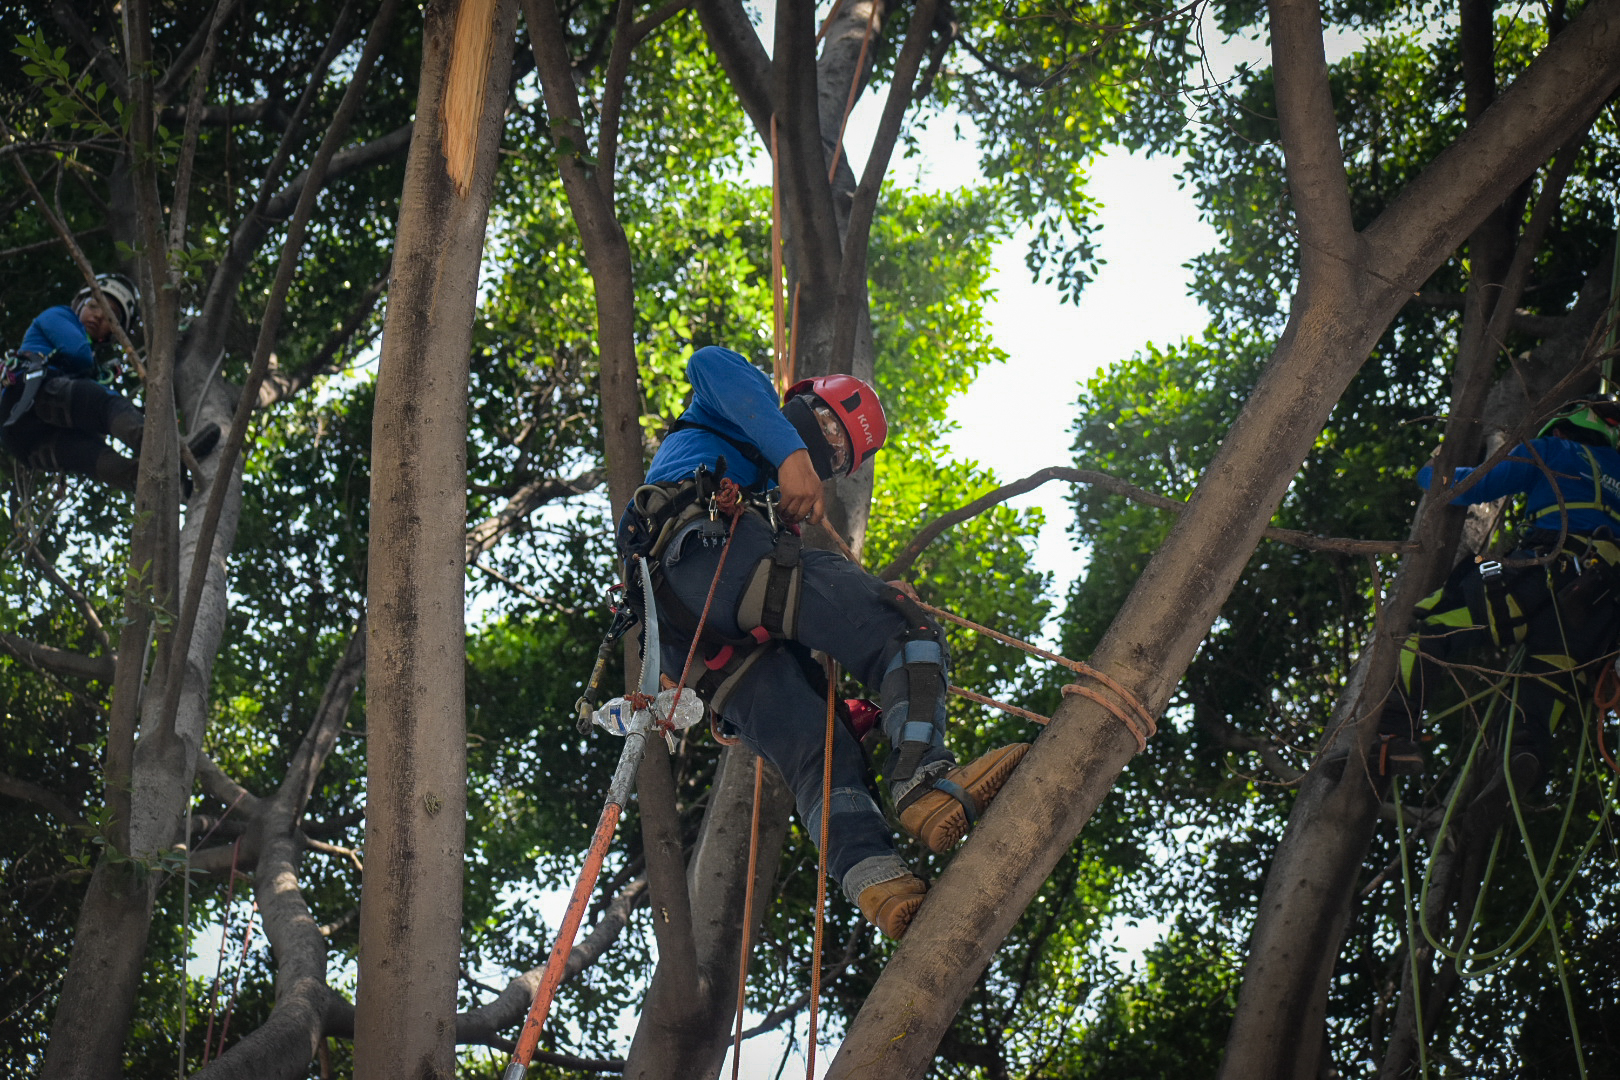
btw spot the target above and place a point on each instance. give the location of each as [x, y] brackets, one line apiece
[938, 820]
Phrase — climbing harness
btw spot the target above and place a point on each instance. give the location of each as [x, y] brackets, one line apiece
[27, 372]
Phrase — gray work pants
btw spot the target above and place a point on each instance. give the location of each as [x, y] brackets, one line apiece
[776, 710]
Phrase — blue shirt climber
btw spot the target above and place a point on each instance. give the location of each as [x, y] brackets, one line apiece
[1591, 503]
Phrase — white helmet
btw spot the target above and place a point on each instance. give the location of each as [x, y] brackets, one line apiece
[120, 291]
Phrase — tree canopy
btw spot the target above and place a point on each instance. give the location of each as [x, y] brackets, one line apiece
[184, 763]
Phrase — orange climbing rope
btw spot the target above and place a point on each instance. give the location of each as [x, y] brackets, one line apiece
[728, 501]
[748, 913]
[1606, 695]
[821, 865]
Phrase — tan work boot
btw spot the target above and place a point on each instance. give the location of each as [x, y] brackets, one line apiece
[936, 812]
[890, 905]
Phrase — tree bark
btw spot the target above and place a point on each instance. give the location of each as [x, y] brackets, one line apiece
[410, 920]
[1350, 287]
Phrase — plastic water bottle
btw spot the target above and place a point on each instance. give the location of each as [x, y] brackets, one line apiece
[616, 716]
[687, 713]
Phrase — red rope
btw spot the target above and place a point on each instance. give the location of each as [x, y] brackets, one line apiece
[224, 932]
[748, 915]
[1606, 696]
[730, 503]
[236, 984]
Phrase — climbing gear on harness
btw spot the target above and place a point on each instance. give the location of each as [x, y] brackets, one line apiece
[121, 291]
[938, 811]
[856, 406]
[624, 617]
[890, 905]
[769, 604]
[28, 371]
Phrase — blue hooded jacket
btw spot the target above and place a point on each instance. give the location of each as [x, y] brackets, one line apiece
[1587, 476]
[735, 398]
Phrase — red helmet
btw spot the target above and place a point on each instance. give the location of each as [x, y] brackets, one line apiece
[856, 405]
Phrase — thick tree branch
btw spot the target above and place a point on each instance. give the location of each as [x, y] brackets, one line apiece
[852, 276]
[228, 791]
[44, 798]
[97, 49]
[318, 741]
[748, 66]
[258, 220]
[1524, 127]
[1317, 183]
[202, 40]
[270, 324]
[1293, 537]
[281, 385]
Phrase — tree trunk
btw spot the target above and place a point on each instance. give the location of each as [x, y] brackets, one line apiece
[1351, 285]
[410, 921]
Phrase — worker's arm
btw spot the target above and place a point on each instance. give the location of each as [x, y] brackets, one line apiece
[729, 387]
[1509, 477]
[60, 331]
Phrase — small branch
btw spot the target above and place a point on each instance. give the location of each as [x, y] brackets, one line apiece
[1522, 321]
[62, 662]
[42, 245]
[279, 386]
[1293, 537]
[776, 1018]
[46, 567]
[528, 498]
[49, 801]
[332, 849]
[216, 784]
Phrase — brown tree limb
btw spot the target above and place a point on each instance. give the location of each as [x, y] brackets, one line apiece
[316, 746]
[1317, 182]
[217, 784]
[62, 662]
[91, 616]
[852, 275]
[747, 65]
[258, 220]
[930, 532]
[270, 324]
[282, 385]
[44, 798]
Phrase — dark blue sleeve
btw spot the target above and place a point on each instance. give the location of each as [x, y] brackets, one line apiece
[1510, 477]
[58, 330]
[726, 385]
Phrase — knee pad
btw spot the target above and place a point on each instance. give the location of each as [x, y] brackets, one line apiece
[914, 687]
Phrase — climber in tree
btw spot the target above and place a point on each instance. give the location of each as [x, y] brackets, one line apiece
[1556, 594]
[57, 410]
[774, 602]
